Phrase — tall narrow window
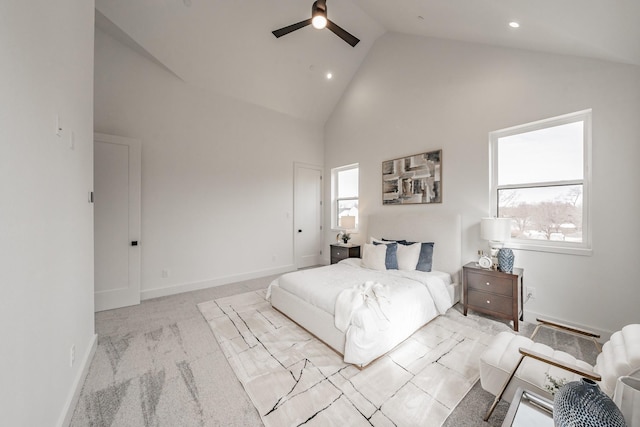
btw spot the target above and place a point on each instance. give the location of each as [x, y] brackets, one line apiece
[345, 193]
[540, 179]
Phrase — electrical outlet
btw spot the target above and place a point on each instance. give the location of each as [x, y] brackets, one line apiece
[531, 292]
[72, 355]
[165, 273]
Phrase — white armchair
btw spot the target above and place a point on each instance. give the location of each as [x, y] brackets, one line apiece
[513, 361]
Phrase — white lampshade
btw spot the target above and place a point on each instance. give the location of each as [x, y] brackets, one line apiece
[348, 222]
[495, 229]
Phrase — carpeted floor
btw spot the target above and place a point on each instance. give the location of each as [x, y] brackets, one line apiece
[158, 364]
[295, 379]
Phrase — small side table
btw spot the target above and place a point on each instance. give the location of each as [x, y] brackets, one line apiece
[529, 409]
[493, 292]
[340, 252]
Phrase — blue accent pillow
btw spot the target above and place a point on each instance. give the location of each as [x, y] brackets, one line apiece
[391, 259]
[425, 262]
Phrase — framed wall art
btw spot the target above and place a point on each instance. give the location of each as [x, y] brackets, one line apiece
[413, 179]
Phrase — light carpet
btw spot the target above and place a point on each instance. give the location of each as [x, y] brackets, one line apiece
[294, 379]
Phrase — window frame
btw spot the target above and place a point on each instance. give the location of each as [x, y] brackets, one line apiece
[335, 199]
[575, 248]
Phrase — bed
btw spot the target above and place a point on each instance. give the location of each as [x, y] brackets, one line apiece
[361, 312]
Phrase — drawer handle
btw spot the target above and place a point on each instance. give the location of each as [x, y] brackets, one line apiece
[337, 253]
[488, 284]
[488, 302]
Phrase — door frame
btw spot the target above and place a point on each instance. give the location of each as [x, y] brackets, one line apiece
[135, 193]
[296, 166]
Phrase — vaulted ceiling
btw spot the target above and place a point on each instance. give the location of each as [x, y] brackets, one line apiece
[226, 46]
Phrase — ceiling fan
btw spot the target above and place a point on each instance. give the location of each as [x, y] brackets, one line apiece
[319, 20]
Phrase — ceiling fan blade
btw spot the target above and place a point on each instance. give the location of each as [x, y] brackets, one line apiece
[286, 30]
[343, 34]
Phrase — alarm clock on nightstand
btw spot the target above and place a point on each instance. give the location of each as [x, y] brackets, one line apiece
[485, 262]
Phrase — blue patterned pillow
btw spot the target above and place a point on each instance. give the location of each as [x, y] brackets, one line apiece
[391, 260]
[425, 262]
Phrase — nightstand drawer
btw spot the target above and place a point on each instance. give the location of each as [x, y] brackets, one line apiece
[490, 302]
[340, 253]
[490, 283]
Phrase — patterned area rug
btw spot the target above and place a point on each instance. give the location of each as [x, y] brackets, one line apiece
[294, 379]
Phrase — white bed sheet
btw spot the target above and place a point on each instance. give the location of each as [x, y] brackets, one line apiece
[321, 286]
[416, 298]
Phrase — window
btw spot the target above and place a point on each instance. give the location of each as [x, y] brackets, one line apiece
[344, 193]
[540, 179]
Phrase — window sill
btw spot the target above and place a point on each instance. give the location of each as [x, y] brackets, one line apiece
[549, 248]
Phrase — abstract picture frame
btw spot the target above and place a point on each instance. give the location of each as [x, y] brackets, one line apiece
[415, 179]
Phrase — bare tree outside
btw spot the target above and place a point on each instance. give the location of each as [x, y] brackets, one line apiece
[556, 217]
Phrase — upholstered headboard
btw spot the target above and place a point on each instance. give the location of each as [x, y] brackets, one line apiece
[444, 230]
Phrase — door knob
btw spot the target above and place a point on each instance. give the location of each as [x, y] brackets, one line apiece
[299, 231]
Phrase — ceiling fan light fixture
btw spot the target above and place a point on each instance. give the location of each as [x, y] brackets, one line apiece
[319, 15]
[319, 22]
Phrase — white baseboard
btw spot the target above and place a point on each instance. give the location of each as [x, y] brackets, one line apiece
[74, 394]
[531, 316]
[187, 287]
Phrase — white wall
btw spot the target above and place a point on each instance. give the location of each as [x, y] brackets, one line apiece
[46, 222]
[415, 94]
[217, 173]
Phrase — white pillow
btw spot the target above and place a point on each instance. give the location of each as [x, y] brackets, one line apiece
[374, 256]
[408, 256]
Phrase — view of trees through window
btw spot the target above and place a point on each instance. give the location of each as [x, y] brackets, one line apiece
[547, 213]
[539, 178]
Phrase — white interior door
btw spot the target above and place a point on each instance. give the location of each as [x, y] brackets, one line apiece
[307, 215]
[116, 221]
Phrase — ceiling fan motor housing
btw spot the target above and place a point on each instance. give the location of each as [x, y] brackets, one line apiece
[319, 14]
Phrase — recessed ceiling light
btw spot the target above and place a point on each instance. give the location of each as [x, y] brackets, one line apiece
[514, 24]
[329, 76]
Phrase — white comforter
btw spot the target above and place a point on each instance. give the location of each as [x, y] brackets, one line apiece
[399, 302]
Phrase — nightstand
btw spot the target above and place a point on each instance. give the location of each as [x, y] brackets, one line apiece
[493, 292]
[340, 252]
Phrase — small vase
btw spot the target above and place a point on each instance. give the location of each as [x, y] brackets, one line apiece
[582, 403]
[505, 260]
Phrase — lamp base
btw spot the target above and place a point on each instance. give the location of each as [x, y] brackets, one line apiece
[494, 249]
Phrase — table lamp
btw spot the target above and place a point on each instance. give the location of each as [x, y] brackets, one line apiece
[498, 231]
[347, 222]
